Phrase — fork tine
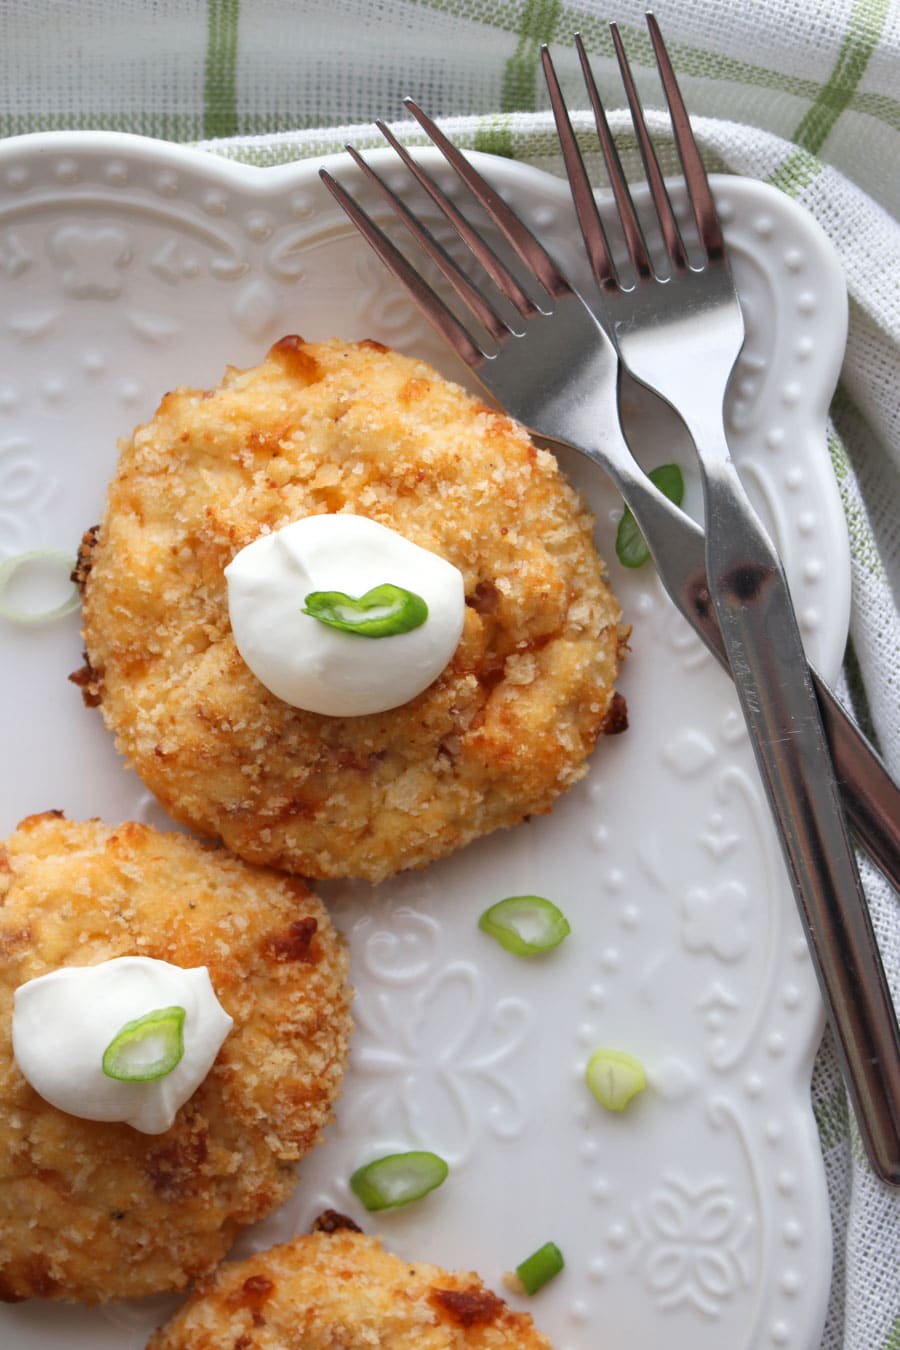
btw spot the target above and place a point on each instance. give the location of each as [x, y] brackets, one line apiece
[583, 199]
[701, 199]
[496, 270]
[634, 235]
[468, 294]
[428, 301]
[531, 252]
[671, 233]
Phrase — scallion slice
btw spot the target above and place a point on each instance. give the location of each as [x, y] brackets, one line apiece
[147, 1048]
[525, 925]
[631, 547]
[398, 1179]
[383, 611]
[540, 1267]
[10, 569]
[614, 1078]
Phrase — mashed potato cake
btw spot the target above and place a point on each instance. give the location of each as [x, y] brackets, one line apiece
[92, 1211]
[342, 1289]
[329, 427]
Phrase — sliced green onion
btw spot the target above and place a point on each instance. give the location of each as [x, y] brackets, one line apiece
[382, 612]
[147, 1048]
[614, 1078]
[631, 547]
[539, 1267]
[525, 925]
[10, 569]
[398, 1179]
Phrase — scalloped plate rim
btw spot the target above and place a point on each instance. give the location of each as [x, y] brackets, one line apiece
[262, 181]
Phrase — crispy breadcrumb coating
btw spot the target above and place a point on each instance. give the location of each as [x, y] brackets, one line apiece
[92, 1210]
[330, 427]
[342, 1289]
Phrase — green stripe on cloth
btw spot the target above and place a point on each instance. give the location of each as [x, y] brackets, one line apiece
[863, 547]
[893, 1340]
[833, 1117]
[495, 138]
[879, 106]
[220, 116]
[796, 172]
[859, 699]
[164, 126]
[866, 24]
[519, 93]
[858, 1148]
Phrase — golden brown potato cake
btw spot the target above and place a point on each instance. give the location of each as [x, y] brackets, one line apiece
[330, 427]
[341, 1288]
[91, 1210]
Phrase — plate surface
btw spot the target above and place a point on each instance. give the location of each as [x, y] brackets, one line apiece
[698, 1218]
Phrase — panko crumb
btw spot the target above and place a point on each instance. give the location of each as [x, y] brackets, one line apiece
[513, 1284]
[92, 1210]
[353, 427]
[339, 1288]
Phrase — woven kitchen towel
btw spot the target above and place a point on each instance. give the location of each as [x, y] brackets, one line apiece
[802, 93]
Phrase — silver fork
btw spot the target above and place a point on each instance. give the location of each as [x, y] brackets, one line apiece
[667, 326]
[870, 796]
[677, 544]
[554, 367]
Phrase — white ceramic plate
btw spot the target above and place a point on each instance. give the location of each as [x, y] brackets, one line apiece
[699, 1218]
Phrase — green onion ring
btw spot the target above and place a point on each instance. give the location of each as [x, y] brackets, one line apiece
[541, 1266]
[166, 1026]
[631, 547]
[10, 567]
[396, 610]
[525, 925]
[398, 1179]
[614, 1077]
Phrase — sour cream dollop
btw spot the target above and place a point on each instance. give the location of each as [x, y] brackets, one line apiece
[322, 669]
[64, 1021]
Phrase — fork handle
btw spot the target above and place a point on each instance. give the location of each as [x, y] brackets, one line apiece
[766, 656]
[870, 797]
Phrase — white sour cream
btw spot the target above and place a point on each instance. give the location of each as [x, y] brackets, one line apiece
[64, 1021]
[322, 669]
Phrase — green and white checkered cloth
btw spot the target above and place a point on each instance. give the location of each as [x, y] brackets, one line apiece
[802, 93]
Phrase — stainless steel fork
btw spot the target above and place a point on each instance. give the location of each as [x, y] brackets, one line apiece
[669, 324]
[552, 366]
[871, 798]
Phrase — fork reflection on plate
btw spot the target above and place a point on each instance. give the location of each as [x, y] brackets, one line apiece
[554, 365]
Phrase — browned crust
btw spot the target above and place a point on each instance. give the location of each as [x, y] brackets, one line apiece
[341, 1288]
[89, 682]
[95, 1211]
[331, 1220]
[324, 427]
[467, 1307]
[82, 568]
[616, 719]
